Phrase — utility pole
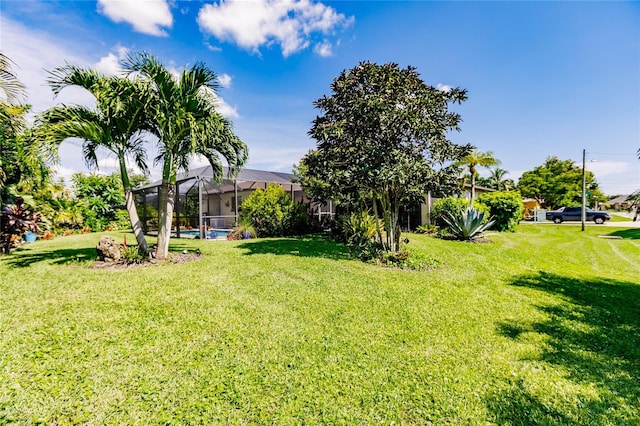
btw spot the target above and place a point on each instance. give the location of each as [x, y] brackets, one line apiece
[584, 188]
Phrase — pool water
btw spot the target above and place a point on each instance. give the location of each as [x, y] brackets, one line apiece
[211, 234]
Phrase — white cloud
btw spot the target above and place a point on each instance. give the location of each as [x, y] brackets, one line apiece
[607, 168]
[323, 49]
[147, 17]
[110, 64]
[443, 87]
[35, 54]
[225, 80]
[225, 109]
[289, 23]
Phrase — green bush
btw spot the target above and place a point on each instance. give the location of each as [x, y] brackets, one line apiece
[427, 229]
[454, 205]
[505, 207]
[273, 213]
[132, 255]
[358, 231]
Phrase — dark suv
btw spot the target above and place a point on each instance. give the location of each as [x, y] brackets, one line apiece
[575, 213]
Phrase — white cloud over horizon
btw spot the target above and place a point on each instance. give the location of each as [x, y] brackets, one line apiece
[150, 17]
[289, 23]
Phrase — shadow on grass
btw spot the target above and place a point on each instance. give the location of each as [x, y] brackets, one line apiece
[22, 258]
[593, 334]
[307, 246]
[627, 234]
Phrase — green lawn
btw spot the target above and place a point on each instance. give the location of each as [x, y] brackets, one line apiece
[537, 327]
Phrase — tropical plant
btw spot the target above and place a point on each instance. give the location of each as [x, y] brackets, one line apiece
[473, 160]
[116, 124]
[453, 205]
[182, 114]
[505, 207]
[16, 220]
[466, 225]
[273, 213]
[427, 229]
[23, 166]
[382, 135]
[498, 182]
[242, 232]
[12, 88]
[358, 230]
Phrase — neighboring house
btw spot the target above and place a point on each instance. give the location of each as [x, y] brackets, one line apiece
[218, 204]
[623, 202]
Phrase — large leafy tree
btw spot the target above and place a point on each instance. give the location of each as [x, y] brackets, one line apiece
[381, 135]
[116, 124]
[558, 183]
[183, 116]
[472, 161]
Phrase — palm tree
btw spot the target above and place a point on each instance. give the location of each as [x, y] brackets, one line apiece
[116, 124]
[474, 159]
[20, 159]
[498, 181]
[12, 88]
[184, 119]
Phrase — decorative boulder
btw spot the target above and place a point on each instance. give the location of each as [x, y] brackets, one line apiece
[108, 250]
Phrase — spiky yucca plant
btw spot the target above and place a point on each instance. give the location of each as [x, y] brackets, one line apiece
[466, 225]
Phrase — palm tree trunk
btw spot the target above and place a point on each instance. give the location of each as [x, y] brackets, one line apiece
[473, 189]
[136, 224]
[165, 205]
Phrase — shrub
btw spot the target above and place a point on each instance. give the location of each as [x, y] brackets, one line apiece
[358, 231]
[453, 205]
[428, 229]
[273, 213]
[132, 255]
[16, 219]
[242, 232]
[466, 225]
[505, 207]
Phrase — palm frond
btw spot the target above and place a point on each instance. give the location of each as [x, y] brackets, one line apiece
[13, 89]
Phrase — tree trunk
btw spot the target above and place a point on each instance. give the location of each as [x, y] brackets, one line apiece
[375, 214]
[165, 205]
[473, 189]
[136, 224]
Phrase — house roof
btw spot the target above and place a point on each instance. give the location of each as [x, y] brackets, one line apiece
[620, 199]
[244, 175]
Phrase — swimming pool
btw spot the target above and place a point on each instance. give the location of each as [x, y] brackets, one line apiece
[211, 234]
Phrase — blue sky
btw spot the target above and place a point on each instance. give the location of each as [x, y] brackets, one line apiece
[544, 78]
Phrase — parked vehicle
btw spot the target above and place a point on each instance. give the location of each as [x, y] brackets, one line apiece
[575, 214]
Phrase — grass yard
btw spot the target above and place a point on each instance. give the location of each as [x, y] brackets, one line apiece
[537, 327]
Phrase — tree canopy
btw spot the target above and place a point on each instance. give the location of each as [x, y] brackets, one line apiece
[23, 165]
[382, 135]
[558, 183]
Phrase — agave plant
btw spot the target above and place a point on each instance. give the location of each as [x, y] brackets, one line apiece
[467, 225]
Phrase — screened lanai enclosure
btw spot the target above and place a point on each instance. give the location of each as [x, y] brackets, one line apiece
[203, 205]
